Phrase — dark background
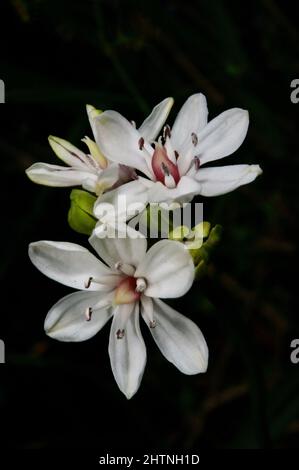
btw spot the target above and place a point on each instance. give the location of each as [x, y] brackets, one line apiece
[56, 56]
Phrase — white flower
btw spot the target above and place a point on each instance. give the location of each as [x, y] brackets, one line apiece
[173, 165]
[130, 283]
[92, 170]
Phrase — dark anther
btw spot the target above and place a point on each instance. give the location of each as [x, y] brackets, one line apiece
[176, 154]
[196, 162]
[153, 324]
[88, 313]
[141, 143]
[87, 284]
[194, 139]
[120, 334]
[165, 169]
[166, 131]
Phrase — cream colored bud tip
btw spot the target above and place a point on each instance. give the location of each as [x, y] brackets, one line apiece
[92, 111]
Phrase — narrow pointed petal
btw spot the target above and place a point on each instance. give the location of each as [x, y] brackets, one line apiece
[71, 265]
[168, 269]
[127, 351]
[67, 152]
[119, 141]
[179, 339]
[151, 127]
[58, 176]
[66, 321]
[224, 179]
[222, 136]
[113, 250]
[192, 117]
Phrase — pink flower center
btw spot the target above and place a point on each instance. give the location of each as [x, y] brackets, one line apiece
[164, 169]
[126, 293]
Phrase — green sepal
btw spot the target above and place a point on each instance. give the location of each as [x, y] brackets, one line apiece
[80, 215]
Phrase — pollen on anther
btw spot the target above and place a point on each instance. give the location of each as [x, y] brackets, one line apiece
[153, 324]
[120, 334]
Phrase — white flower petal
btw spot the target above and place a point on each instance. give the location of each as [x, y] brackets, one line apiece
[66, 321]
[59, 176]
[106, 179]
[192, 117]
[71, 265]
[150, 128]
[221, 180]
[222, 136]
[167, 268]
[68, 153]
[122, 202]
[184, 192]
[119, 141]
[179, 339]
[128, 354]
[113, 250]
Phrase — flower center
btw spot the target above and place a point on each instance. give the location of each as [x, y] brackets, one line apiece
[129, 290]
[165, 170]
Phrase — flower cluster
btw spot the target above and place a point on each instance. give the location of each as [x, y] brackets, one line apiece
[128, 278]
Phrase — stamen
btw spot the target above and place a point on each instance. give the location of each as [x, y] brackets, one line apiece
[196, 162]
[88, 313]
[194, 139]
[165, 169]
[140, 285]
[120, 334]
[169, 181]
[125, 268]
[92, 280]
[166, 131]
[133, 123]
[141, 143]
[176, 154]
[153, 324]
[87, 283]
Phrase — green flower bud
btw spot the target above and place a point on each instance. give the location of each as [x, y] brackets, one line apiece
[80, 216]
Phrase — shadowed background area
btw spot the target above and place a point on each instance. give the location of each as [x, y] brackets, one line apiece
[128, 55]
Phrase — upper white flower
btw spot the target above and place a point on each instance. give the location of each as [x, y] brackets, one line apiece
[131, 282]
[93, 171]
[173, 164]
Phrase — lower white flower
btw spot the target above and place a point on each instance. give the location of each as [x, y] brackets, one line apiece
[130, 283]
